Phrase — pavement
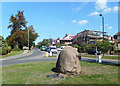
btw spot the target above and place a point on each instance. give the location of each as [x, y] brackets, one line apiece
[37, 56]
[106, 61]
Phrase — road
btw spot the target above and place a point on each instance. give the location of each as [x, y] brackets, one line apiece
[38, 56]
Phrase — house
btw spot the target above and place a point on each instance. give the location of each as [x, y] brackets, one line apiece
[117, 38]
[67, 39]
[88, 36]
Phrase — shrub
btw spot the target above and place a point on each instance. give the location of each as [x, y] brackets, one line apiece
[9, 49]
[0, 50]
[16, 49]
[76, 46]
[4, 51]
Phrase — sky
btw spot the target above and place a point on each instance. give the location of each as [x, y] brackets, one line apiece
[55, 19]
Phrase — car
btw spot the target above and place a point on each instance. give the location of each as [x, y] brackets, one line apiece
[47, 49]
[93, 51]
[52, 49]
[43, 48]
[61, 48]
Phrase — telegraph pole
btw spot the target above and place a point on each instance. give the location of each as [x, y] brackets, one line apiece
[103, 31]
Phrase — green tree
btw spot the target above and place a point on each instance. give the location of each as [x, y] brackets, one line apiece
[4, 48]
[32, 36]
[19, 32]
[17, 22]
[57, 44]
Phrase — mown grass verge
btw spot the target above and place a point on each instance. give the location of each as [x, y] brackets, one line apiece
[35, 73]
[12, 53]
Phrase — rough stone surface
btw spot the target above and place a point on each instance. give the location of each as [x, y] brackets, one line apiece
[68, 61]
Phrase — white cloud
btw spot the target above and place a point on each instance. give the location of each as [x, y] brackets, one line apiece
[109, 28]
[100, 4]
[83, 22]
[94, 13]
[107, 10]
[115, 8]
[73, 21]
[76, 9]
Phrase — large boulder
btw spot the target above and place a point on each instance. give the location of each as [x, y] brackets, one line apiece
[68, 61]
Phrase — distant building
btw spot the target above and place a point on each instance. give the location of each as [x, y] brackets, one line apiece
[67, 39]
[87, 36]
[111, 39]
[117, 38]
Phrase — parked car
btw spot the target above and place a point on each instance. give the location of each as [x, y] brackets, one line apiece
[47, 49]
[52, 49]
[43, 48]
[61, 48]
[93, 51]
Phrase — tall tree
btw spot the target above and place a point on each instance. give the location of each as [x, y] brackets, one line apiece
[19, 32]
[17, 22]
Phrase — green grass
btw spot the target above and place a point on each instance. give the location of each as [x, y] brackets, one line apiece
[105, 57]
[35, 73]
[12, 53]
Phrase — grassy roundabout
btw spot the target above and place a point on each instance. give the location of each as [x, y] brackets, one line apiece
[35, 73]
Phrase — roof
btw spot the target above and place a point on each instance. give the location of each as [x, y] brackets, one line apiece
[67, 37]
[117, 34]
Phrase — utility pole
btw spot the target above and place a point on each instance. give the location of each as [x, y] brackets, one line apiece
[28, 38]
[103, 31]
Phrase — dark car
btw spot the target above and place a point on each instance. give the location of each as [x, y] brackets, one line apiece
[93, 51]
[43, 48]
[47, 49]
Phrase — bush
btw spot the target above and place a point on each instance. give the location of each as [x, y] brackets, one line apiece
[0, 50]
[9, 49]
[4, 51]
[76, 46]
[16, 49]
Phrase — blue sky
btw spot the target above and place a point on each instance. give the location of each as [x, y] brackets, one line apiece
[56, 19]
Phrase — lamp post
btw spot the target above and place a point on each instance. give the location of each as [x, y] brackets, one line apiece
[103, 31]
[28, 38]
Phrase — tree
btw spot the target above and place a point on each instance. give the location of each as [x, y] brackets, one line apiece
[20, 38]
[17, 22]
[32, 36]
[19, 32]
[57, 44]
[4, 48]
[45, 42]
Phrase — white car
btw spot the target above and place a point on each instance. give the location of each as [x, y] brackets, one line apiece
[52, 49]
[61, 48]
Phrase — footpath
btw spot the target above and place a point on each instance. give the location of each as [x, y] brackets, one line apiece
[107, 61]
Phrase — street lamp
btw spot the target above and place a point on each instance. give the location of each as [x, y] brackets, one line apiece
[28, 38]
[103, 31]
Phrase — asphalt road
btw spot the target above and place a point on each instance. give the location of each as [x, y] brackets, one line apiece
[38, 56]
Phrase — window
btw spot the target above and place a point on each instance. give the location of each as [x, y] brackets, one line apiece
[118, 37]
